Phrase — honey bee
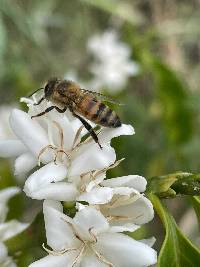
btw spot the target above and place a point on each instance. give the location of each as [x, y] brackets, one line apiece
[65, 94]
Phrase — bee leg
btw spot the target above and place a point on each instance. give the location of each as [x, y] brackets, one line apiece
[40, 101]
[89, 128]
[48, 110]
[60, 110]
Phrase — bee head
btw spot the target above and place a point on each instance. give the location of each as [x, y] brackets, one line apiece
[50, 86]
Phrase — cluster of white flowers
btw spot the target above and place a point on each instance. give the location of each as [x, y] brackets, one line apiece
[72, 167]
[8, 229]
[112, 66]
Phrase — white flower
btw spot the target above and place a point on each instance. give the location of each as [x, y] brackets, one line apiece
[119, 200]
[88, 240]
[8, 229]
[55, 140]
[113, 66]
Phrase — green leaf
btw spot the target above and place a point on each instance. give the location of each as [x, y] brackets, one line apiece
[177, 250]
[178, 183]
[196, 205]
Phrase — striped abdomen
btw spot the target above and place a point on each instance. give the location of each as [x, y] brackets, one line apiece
[98, 112]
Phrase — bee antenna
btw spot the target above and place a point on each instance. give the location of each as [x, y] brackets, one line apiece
[36, 91]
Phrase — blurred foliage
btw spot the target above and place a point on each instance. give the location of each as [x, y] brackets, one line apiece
[40, 39]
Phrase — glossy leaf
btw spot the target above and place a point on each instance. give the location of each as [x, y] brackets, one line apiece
[177, 250]
[178, 183]
[196, 206]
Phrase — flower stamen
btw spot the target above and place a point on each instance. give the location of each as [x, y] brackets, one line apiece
[60, 129]
[92, 234]
[58, 252]
[79, 255]
[42, 151]
[115, 164]
[101, 257]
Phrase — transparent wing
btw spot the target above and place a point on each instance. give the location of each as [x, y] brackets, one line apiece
[102, 97]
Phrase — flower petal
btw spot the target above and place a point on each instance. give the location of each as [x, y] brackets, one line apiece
[24, 163]
[139, 211]
[61, 191]
[91, 157]
[7, 193]
[65, 260]
[11, 148]
[90, 219]
[44, 176]
[91, 260]
[68, 129]
[149, 242]
[123, 251]
[11, 228]
[3, 252]
[100, 195]
[31, 133]
[58, 232]
[134, 181]
[127, 227]
[95, 182]
[107, 134]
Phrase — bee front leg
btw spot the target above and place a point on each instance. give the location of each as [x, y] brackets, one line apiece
[89, 128]
[48, 110]
[40, 101]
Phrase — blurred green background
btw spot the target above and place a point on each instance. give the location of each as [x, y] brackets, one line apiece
[40, 39]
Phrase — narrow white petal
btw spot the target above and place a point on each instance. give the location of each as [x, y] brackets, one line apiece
[30, 133]
[63, 124]
[3, 212]
[90, 219]
[129, 227]
[139, 211]
[44, 176]
[58, 232]
[11, 148]
[123, 251]
[149, 242]
[3, 252]
[91, 260]
[24, 163]
[126, 191]
[95, 182]
[91, 157]
[7, 193]
[134, 181]
[65, 260]
[61, 191]
[100, 195]
[107, 134]
[11, 228]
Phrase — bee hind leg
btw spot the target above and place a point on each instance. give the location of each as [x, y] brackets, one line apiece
[89, 128]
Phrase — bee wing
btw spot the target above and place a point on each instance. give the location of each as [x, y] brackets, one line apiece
[102, 97]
